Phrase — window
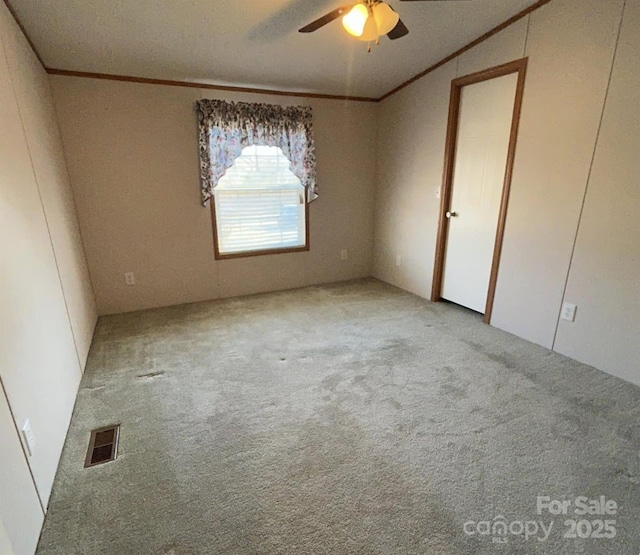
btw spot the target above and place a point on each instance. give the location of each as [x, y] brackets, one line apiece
[259, 206]
[259, 194]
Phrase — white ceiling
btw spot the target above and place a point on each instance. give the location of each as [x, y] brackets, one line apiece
[251, 42]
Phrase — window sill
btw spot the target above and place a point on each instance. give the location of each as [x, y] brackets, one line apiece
[220, 256]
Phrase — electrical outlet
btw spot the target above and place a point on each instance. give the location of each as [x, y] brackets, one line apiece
[398, 260]
[568, 312]
[130, 278]
[29, 438]
[343, 254]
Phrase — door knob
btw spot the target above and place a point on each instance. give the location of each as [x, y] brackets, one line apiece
[451, 215]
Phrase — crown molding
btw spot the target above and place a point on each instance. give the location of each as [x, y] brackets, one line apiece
[196, 85]
[469, 46]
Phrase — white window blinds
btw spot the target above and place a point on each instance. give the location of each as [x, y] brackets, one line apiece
[259, 204]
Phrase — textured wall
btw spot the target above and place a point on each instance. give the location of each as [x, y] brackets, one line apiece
[570, 47]
[605, 273]
[133, 160]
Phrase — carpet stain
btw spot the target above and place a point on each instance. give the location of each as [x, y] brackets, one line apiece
[395, 404]
[94, 387]
[150, 375]
[455, 390]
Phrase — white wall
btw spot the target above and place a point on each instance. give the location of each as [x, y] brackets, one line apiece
[412, 128]
[605, 273]
[570, 45]
[21, 515]
[39, 119]
[133, 159]
[5, 545]
[47, 312]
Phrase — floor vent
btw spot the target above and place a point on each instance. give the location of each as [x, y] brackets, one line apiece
[103, 446]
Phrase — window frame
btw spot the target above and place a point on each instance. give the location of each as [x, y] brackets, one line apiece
[245, 254]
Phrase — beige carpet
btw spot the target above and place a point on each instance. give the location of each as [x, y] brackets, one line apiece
[343, 419]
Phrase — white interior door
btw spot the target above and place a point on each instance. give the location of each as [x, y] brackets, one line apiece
[484, 127]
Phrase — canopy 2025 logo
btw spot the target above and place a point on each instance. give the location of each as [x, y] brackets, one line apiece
[587, 527]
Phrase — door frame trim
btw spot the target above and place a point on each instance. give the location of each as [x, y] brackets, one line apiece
[516, 66]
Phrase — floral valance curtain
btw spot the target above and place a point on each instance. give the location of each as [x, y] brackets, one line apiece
[228, 127]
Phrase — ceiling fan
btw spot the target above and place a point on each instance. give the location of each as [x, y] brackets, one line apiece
[366, 20]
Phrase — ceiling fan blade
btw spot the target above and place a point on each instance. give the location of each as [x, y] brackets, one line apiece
[322, 21]
[434, 0]
[400, 30]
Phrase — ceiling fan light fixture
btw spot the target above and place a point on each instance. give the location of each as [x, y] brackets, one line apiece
[386, 18]
[356, 20]
[367, 20]
[370, 31]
